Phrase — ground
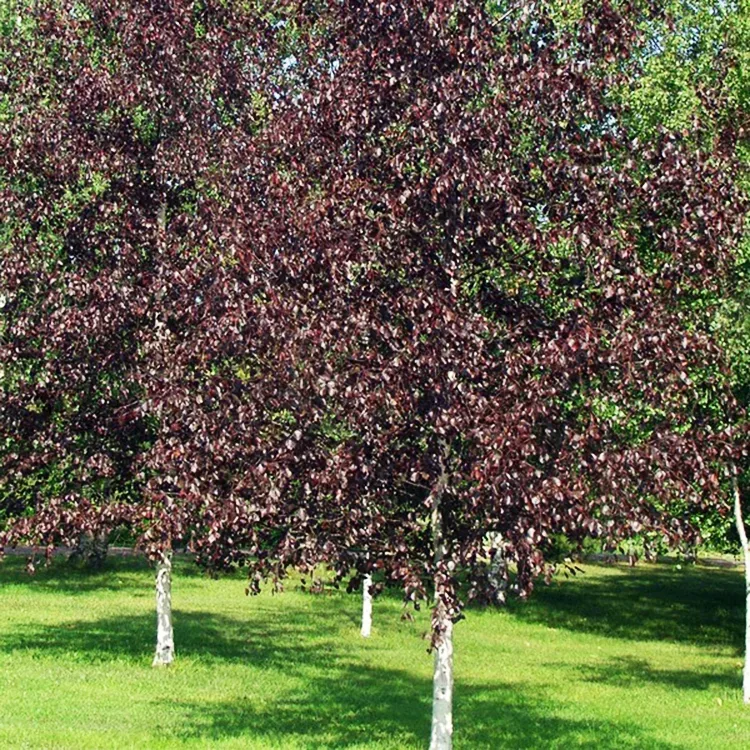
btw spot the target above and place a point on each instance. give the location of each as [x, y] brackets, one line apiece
[644, 658]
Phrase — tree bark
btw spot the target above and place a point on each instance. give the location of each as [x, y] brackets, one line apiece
[742, 531]
[441, 735]
[497, 571]
[91, 549]
[366, 607]
[164, 633]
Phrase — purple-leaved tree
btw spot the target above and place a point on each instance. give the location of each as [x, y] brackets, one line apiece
[119, 119]
[490, 282]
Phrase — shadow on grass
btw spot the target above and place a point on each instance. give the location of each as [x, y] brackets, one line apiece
[358, 706]
[701, 606]
[199, 635]
[697, 605]
[334, 700]
[630, 671]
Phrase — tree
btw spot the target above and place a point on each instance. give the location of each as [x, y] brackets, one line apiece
[99, 209]
[491, 276]
[135, 332]
[745, 548]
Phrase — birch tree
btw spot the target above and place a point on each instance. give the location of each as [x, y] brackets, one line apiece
[112, 115]
[442, 205]
[366, 628]
[488, 273]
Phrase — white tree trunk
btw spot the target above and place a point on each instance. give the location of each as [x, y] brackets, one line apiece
[497, 571]
[742, 531]
[164, 633]
[441, 737]
[366, 607]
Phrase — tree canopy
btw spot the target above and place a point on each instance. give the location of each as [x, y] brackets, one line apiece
[292, 270]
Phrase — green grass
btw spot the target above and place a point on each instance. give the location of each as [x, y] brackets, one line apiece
[615, 658]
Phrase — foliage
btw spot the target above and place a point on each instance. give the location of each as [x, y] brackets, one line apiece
[490, 279]
[355, 283]
[695, 79]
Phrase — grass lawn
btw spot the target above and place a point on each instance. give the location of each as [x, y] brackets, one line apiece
[616, 658]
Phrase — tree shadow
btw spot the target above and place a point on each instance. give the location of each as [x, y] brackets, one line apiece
[630, 671]
[201, 635]
[338, 701]
[700, 606]
[491, 716]
[358, 706]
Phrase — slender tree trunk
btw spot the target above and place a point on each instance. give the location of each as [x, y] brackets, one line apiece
[632, 558]
[742, 531]
[91, 549]
[164, 633]
[441, 735]
[366, 606]
[497, 570]
[161, 217]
